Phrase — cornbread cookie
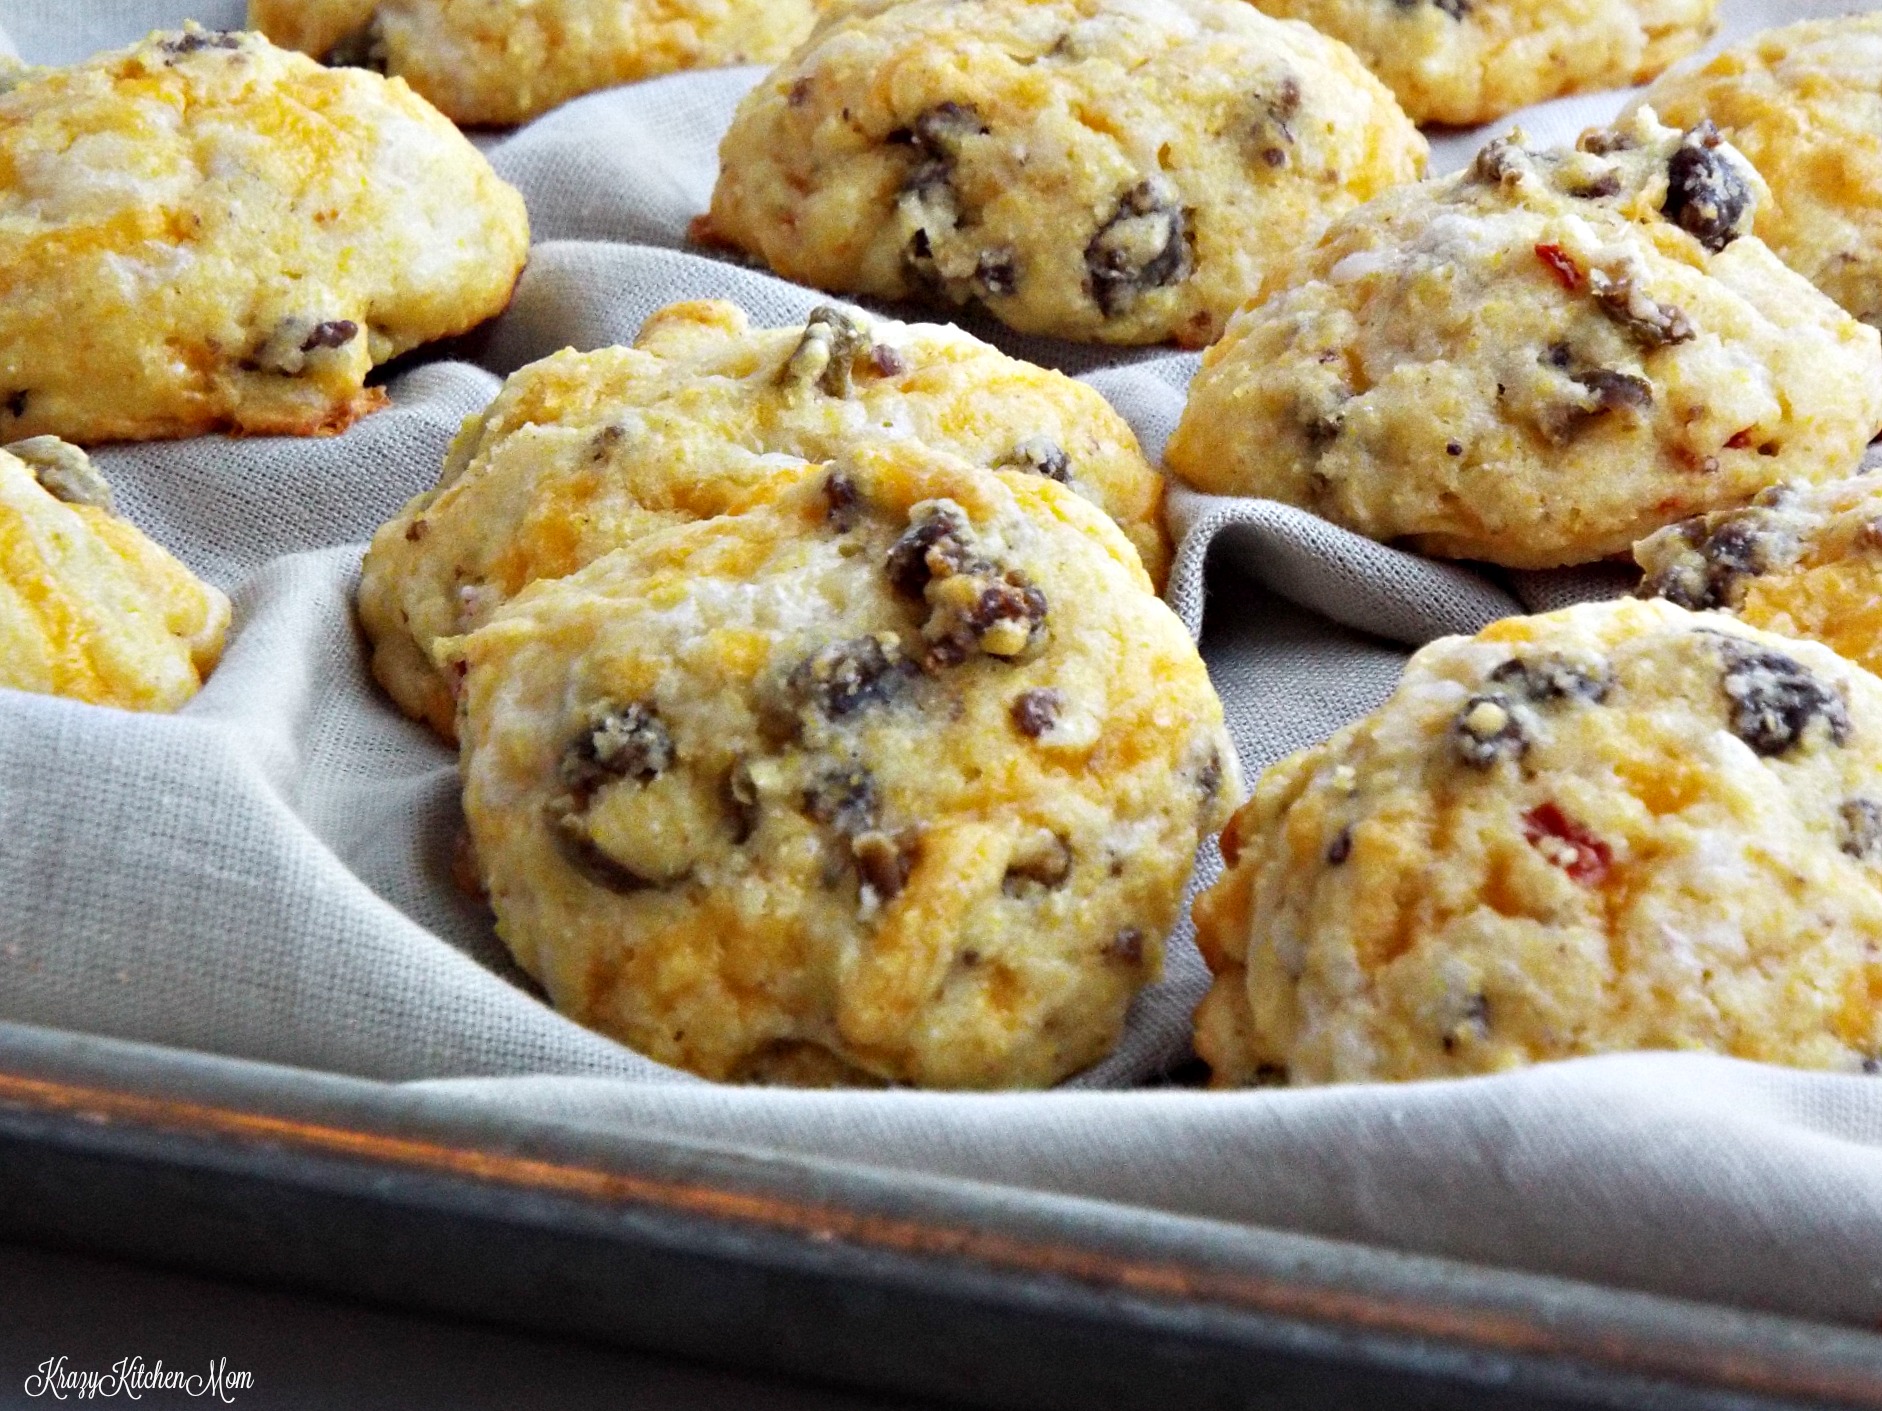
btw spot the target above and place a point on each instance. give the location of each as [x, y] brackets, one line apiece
[1539, 360]
[704, 416]
[1804, 103]
[897, 778]
[500, 61]
[1805, 561]
[1623, 826]
[90, 608]
[1472, 61]
[1102, 170]
[202, 233]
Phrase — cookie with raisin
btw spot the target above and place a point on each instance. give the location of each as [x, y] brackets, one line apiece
[90, 608]
[485, 64]
[1803, 560]
[1472, 61]
[1804, 103]
[897, 778]
[1097, 170]
[1540, 360]
[707, 415]
[1623, 826]
[203, 232]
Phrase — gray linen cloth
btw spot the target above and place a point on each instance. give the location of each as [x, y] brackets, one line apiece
[267, 874]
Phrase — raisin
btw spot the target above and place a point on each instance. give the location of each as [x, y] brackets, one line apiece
[1042, 456]
[938, 539]
[334, 333]
[1596, 187]
[1706, 196]
[1044, 863]
[1488, 730]
[928, 197]
[846, 677]
[1862, 828]
[1547, 678]
[1647, 321]
[826, 354]
[1036, 712]
[1007, 616]
[1605, 141]
[1272, 132]
[997, 272]
[15, 403]
[844, 798]
[1615, 390]
[1341, 848]
[1732, 551]
[1775, 700]
[941, 130]
[1500, 160]
[885, 361]
[845, 501]
[616, 742]
[884, 861]
[194, 41]
[1144, 245]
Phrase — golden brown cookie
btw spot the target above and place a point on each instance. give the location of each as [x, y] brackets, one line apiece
[706, 415]
[500, 61]
[1473, 61]
[89, 607]
[1623, 826]
[203, 232]
[1803, 560]
[1102, 170]
[897, 778]
[1804, 103]
[1539, 360]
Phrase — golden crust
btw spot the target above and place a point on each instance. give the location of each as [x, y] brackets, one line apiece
[1538, 361]
[1659, 829]
[581, 452]
[489, 64]
[204, 233]
[1472, 61]
[1804, 103]
[90, 608]
[1091, 169]
[778, 796]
